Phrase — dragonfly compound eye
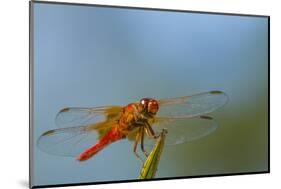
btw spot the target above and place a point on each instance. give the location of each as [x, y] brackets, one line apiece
[153, 106]
[144, 102]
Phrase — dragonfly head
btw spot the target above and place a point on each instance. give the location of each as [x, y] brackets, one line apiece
[150, 106]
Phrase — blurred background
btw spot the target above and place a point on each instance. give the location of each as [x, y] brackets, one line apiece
[94, 56]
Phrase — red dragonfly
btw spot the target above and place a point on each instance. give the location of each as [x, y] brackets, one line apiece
[84, 132]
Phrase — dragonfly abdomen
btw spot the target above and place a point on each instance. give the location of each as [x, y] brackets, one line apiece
[111, 136]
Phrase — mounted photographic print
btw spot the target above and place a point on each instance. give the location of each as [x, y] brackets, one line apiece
[121, 94]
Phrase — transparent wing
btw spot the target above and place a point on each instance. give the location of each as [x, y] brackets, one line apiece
[71, 117]
[191, 106]
[181, 130]
[72, 141]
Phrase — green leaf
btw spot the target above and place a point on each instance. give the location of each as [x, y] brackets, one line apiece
[150, 165]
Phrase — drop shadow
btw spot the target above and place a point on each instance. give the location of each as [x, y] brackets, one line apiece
[24, 183]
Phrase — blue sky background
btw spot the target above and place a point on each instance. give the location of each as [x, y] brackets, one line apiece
[94, 56]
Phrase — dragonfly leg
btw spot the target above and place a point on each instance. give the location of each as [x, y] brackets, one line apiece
[150, 132]
[142, 146]
[136, 145]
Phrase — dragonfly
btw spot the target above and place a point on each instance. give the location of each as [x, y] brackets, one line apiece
[83, 132]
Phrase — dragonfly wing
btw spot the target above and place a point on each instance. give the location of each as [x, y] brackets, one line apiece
[192, 106]
[73, 140]
[181, 130]
[71, 117]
